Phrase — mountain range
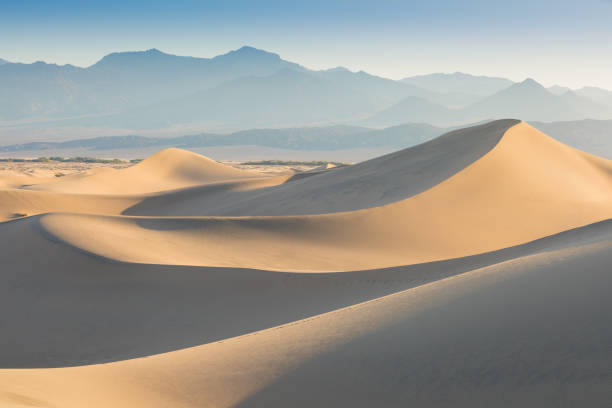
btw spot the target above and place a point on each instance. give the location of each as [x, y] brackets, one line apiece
[591, 136]
[527, 100]
[249, 88]
[304, 138]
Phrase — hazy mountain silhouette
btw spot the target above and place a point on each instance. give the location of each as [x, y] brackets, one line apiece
[287, 97]
[40, 89]
[3, 61]
[412, 109]
[592, 136]
[558, 90]
[460, 83]
[458, 89]
[302, 138]
[600, 95]
[142, 78]
[385, 90]
[122, 81]
[249, 88]
[528, 100]
[133, 83]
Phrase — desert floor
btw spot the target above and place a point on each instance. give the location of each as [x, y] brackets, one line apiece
[470, 271]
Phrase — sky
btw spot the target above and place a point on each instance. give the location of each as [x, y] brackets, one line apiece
[565, 42]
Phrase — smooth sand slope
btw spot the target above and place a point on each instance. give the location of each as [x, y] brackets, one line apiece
[527, 187]
[529, 331]
[113, 191]
[472, 271]
[372, 183]
[131, 310]
[169, 169]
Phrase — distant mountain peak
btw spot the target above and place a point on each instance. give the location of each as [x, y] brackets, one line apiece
[338, 69]
[530, 82]
[558, 89]
[154, 51]
[120, 57]
[3, 61]
[459, 82]
[247, 48]
[248, 51]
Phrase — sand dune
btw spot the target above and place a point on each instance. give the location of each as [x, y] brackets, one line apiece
[169, 169]
[474, 339]
[130, 310]
[531, 180]
[373, 183]
[473, 270]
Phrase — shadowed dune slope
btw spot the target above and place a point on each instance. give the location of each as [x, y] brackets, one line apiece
[91, 310]
[372, 183]
[166, 170]
[527, 187]
[529, 331]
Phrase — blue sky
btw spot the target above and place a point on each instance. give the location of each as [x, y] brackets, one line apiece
[567, 42]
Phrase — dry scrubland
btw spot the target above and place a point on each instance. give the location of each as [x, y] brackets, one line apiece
[469, 271]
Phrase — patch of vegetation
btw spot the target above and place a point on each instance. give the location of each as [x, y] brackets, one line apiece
[15, 160]
[59, 174]
[60, 159]
[20, 215]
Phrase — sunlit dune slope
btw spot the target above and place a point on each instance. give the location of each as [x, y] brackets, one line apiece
[527, 187]
[166, 170]
[530, 331]
[372, 183]
[17, 203]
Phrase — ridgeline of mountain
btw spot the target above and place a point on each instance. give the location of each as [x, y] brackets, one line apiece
[600, 95]
[249, 88]
[558, 90]
[284, 98]
[460, 83]
[376, 87]
[527, 99]
[412, 109]
[531, 101]
[122, 81]
[131, 83]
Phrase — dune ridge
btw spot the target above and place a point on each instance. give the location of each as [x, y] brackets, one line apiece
[472, 270]
[532, 180]
[168, 169]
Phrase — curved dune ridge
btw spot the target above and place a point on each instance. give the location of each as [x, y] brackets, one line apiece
[473, 271]
[168, 169]
[535, 187]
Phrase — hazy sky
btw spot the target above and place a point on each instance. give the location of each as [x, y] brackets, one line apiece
[567, 42]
